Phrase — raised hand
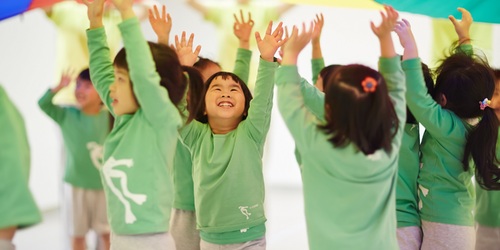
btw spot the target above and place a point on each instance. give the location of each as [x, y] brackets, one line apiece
[403, 30]
[161, 24]
[66, 77]
[318, 27]
[271, 42]
[383, 31]
[125, 8]
[295, 42]
[242, 29]
[462, 27]
[184, 49]
[95, 10]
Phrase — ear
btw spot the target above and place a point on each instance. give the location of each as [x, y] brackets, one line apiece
[442, 100]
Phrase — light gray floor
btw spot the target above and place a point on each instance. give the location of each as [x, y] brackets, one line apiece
[285, 226]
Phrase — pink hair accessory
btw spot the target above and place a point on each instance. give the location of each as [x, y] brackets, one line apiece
[484, 103]
[369, 84]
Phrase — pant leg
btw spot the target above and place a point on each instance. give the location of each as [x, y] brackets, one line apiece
[258, 244]
[409, 238]
[447, 237]
[487, 238]
[183, 229]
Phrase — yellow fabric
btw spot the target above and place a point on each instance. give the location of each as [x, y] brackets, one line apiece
[444, 35]
[367, 4]
[70, 19]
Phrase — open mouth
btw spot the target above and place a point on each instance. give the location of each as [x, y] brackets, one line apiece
[225, 104]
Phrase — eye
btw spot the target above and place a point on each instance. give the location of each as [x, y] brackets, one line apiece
[234, 89]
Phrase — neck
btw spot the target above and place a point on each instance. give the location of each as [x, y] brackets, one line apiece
[223, 126]
[91, 109]
[497, 113]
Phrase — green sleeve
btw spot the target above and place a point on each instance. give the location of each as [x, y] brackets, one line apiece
[259, 113]
[390, 68]
[55, 112]
[427, 111]
[242, 64]
[153, 99]
[317, 65]
[314, 99]
[467, 48]
[101, 68]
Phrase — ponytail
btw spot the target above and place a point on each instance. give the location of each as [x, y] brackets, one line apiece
[195, 91]
[481, 146]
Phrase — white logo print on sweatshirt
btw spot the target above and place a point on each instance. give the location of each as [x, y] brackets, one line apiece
[109, 172]
[244, 210]
[96, 153]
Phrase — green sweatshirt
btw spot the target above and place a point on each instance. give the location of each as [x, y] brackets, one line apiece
[408, 169]
[17, 206]
[446, 191]
[139, 151]
[488, 203]
[183, 173]
[349, 197]
[227, 170]
[83, 137]
[316, 65]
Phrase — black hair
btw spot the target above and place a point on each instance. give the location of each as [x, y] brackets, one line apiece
[327, 71]
[367, 119]
[168, 67]
[203, 63]
[85, 74]
[195, 91]
[201, 116]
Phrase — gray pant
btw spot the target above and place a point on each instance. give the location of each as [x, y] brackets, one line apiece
[487, 238]
[183, 229]
[409, 238]
[447, 237]
[258, 244]
[6, 245]
[160, 241]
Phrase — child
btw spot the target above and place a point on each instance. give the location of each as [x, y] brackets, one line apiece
[445, 187]
[409, 230]
[226, 144]
[183, 218]
[488, 201]
[142, 87]
[84, 130]
[17, 207]
[350, 161]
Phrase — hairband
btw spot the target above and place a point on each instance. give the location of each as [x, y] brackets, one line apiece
[484, 103]
[369, 84]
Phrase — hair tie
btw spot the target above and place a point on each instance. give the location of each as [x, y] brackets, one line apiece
[369, 84]
[484, 103]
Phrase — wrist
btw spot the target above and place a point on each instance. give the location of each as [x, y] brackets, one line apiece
[127, 13]
[244, 44]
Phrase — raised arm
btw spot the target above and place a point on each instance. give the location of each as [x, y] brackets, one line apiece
[242, 29]
[462, 27]
[45, 103]
[184, 48]
[101, 67]
[161, 24]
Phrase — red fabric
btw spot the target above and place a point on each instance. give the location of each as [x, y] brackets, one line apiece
[42, 3]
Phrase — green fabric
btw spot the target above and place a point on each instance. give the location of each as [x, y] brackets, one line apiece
[17, 206]
[252, 233]
[349, 197]
[152, 129]
[317, 65]
[83, 137]
[486, 11]
[488, 203]
[227, 168]
[408, 168]
[445, 189]
[182, 174]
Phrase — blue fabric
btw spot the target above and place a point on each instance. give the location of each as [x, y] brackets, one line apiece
[9, 8]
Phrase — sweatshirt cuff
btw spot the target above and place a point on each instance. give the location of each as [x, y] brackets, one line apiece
[389, 64]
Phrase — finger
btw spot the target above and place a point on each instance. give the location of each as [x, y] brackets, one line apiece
[373, 27]
[177, 42]
[453, 20]
[169, 18]
[190, 41]
[151, 15]
[269, 28]
[465, 13]
[241, 15]
[197, 50]
[183, 38]
[322, 18]
[236, 21]
[250, 18]
[163, 12]
[156, 13]
[276, 31]
[257, 37]
[286, 32]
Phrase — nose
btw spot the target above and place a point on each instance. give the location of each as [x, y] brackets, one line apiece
[112, 87]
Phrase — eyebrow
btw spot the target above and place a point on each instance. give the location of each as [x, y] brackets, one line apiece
[232, 85]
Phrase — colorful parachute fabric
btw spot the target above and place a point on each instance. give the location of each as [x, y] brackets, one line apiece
[10, 8]
[486, 11]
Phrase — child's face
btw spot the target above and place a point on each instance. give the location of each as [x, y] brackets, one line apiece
[224, 100]
[85, 94]
[121, 92]
[495, 100]
[211, 69]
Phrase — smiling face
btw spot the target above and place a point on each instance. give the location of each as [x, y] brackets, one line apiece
[224, 101]
[121, 92]
[86, 95]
